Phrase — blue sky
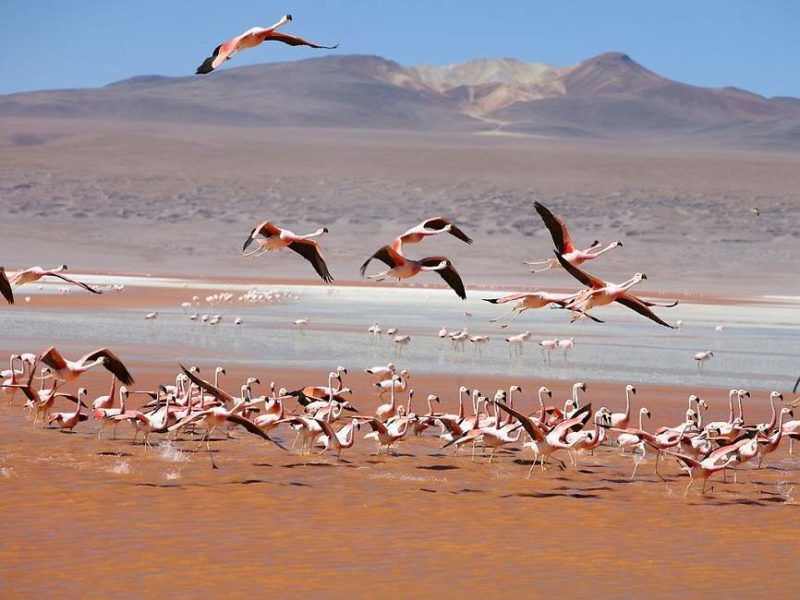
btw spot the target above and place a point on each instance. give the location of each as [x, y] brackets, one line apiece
[78, 43]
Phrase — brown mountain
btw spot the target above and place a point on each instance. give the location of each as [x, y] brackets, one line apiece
[609, 96]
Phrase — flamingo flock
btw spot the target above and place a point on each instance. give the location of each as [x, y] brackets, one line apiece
[327, 418]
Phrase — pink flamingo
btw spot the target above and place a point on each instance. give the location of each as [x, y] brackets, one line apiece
[34, 274]
[252, 38]
[621, 420]
[701, 469]
[275, 238]
[530, 301]
[602, 292]
[563, 241]
[67, 421]
[105, 415]
[432, 226]
[67, 370]
[403, 268]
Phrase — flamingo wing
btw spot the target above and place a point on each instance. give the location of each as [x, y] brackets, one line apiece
[686, 460]
[439, 223]
[309, 250]
[637, 305]
[219, 394]
[376, 425]
[504, 299]
[251, 427]
[73, 282]
[579, 274]
[53, 359]
[449, 274]
[529, 426]
[221, 53]
[294, 40]
[5, 287]
[113, 364]
[558, 230]
[387, 256]
[264, 228]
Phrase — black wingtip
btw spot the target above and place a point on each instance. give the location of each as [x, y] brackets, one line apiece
[491, 300]
[206, 67]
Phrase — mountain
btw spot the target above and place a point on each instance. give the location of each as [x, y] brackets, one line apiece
[609, 96]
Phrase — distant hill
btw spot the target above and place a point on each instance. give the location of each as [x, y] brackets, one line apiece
[609, 96]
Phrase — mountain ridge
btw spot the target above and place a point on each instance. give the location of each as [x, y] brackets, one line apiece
[607, 96]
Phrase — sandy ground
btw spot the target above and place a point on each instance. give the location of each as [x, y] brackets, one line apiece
[112, 517]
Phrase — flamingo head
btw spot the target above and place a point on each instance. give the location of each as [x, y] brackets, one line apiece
[341, 369]
[616, 244]
[463, 390]
[645, 412]
[581, 385]
[743, 393]
[776, 396]
[220, 371]
[544, 390]
[515, 388]
[500, 396]
[630, 388]
[433, 398]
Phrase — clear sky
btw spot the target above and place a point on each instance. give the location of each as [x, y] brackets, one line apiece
[78, 43]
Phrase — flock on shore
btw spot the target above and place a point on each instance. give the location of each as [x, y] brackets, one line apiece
[323, 417]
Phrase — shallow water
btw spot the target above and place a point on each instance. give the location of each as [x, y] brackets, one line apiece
[759, 347]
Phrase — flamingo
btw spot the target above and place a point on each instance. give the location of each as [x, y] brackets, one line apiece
[68, 370]
[67, 421]
[602, 293]
[400, 383]
[252, 38]
[566, 346]
[701, 358]
[581, 441]
[701, 469]
[108, 400]
[383, 435]
[432, 226]
[545, 445]
[380, 373]
[771, 444]
[400, 342]
[515, 343]
[106, 415]
[533, 300]
[216, 416]
[621, 420]
[563, 241]
[275, 238]
[384, 412]
[337, 440]
[34, 274]
[547, 346]
[403, 268]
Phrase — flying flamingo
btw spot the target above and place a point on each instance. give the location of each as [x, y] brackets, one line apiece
[533, 300]
[68, 370]
[34, 274]
[602, 293]
[563, 241]
[433, 226]
[275, 238]
[404, 268]
[250, 39]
